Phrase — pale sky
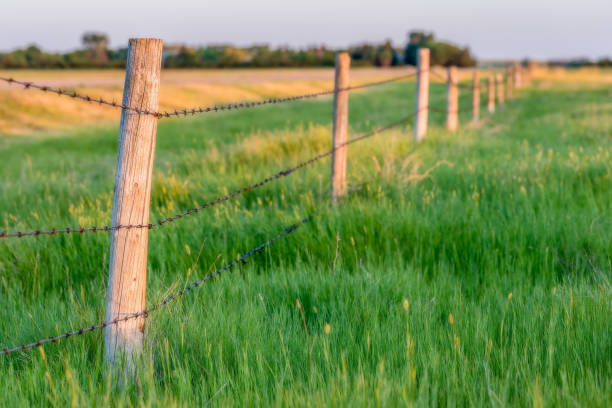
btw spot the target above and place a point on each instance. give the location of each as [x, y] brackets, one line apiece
[492, 28]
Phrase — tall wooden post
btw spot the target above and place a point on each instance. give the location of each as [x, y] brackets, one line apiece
[452, 109]
[422, 94]
[517, 76]
[127, 277]
[340, 128]
[476, 95]
[491, 93]
[509, 83]
[500, 90]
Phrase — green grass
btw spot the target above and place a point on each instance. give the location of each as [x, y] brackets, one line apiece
[519, 204]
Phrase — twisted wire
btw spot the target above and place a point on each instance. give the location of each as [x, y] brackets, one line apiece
[199, 110]
[276, 176]
[145, 313]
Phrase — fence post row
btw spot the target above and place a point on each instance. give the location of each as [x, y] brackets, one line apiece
[127, 272]
[340, 126]
[476, 95]
[500, 90]
[491, 94]
[422, 94]
[452, 110]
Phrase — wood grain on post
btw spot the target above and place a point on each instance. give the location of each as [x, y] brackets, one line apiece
[476, 96]
[500, 89]
[340, 129]
[491, 94]
[452, 110]
[127, 277]
[422, 94]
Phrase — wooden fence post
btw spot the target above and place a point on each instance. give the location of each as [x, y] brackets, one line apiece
[500, 90]
[127, 277]
[476, 95]
[509, 83]
[340, 127]
[452, 109]
[422, 94]
[517, 76]
[491, 93]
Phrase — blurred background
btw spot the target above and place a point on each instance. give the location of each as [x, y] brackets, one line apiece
[274, 33]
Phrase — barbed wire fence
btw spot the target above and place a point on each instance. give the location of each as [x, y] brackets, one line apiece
[340, 143]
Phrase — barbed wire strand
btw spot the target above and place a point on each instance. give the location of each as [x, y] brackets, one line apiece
[145, 313]
[276, 176]
[194, 111]
[253, 104]
[444, 80]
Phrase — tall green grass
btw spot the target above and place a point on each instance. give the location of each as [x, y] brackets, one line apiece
[472, 269]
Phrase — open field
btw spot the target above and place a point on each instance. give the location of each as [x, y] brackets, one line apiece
[472, 269]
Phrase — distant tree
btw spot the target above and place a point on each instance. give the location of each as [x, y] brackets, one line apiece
[385, 55]
[442, 53]
[185, 58]
[416, 40]
[97, 45]
[363, 55]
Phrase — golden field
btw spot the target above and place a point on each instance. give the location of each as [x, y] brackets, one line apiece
[33, 111]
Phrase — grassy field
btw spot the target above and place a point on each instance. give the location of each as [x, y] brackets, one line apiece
[472, 269]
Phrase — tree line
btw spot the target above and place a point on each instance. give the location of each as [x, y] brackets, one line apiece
[96, 54]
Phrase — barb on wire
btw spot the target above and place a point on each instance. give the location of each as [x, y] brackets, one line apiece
[145, 313]
[191, 211]
[194, 111]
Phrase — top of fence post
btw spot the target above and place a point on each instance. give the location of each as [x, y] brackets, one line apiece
[452, 110]
[422, 94]
[476, 95]
[340, 126]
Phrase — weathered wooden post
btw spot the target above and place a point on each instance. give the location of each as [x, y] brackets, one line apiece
[452, 109]
[476, 95]
[340, 127]
[422, 94]
[127, 277]
[500, 90]
[491, 93]
[517, 76]
[509, 83]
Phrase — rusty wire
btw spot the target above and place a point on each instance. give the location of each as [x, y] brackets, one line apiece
[145, 313]
[199, 110]
[280, 174]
